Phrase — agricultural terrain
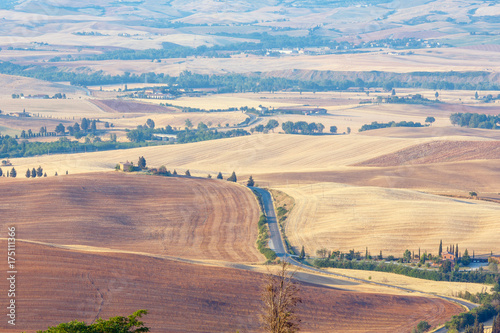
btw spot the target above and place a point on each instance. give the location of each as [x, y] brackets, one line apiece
[344, 107]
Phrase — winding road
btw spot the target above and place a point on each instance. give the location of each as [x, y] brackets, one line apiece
[277, 245]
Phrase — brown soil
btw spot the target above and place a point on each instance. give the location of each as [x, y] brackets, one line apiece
[438, 152]
[189, 218]
[122, 106]
[459, 177]
[56, 285]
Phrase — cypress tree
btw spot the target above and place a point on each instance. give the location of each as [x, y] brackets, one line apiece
[33, 173]
[13, 172]
[219, 176]
[1, 172]
[39, 171]
[175, 172]
[250, 181]
[188, 173]
[28, 173]
[456, 252]
[232, 178]
[302, 253]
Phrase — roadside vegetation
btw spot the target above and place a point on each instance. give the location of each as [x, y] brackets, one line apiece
[264, 234]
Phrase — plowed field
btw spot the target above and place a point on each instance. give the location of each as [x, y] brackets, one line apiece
[189, 218]
[58, 285]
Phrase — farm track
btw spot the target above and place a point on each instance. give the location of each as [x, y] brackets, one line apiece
[278, 246]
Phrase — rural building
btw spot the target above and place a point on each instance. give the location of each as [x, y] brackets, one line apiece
[448, 256]
[494, 259]
[166, 137]
[125, 166]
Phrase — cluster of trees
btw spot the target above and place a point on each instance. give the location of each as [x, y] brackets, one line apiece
[130, 324]
[270, 126]
[376, 125]
[9, 147]
[381, 266]
[33, 173]
[12, 173]
[257, 82]
[302, 127]
[475, 120]
[412, 99]
[77, 130]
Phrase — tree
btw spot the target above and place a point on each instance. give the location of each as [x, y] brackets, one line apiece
[219, 175]
[33, 173]
[150, 123]
[272, 124]
[28, 173]
[39, 171]
[13, 173]
[175, 172]
[446, 266]
[496, 324]
[60, 128]
[333, 129]
[85, 124]
[76, 127]
[188, 123]
[93, 126]
[436, 95]
[250, 181]
[188, 173]
[430, 120]
[456, 252]
[141, 163]
[440, 248]
[348, 130]
[476, 95]
[302, 253]
[465, 258]
[280, 298]
[118, 324]
[393, 92]
[407, 256]
[259, 128]
[232, 178]
[1, 172]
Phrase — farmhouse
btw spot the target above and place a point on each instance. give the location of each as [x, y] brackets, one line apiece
[166, 137]
[125, 166]
[448, 256]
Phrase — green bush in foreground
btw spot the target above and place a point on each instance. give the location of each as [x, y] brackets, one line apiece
[118, 324]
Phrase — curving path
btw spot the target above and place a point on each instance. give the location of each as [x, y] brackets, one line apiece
[276, 244]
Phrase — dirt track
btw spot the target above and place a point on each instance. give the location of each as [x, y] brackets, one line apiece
[190, 218]
[120, 106]
[190, 298]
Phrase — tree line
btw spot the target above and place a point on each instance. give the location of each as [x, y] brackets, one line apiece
[475, 120]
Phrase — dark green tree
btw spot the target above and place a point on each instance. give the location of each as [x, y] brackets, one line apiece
[333, 129]
[440, 248]
[150, 123]
[13, 173]
[219, 175]
[60, 129]
[465, 258]
[456, 252]
[33, 173]
[130, 324]
[436, 95]
[76, 127]
[232, 178]
[1, 172]
[407, 256]
[141, 163]
[93, 126]
[446, 266]
[85, 124]
[348, 130]
[188, 173]
[272, 124]
[496, 324]
[476, 95]
[430, 120]
[175, 172]
[188, 123]
[302, 253]
[28, 173]
[250, 181]
[39, 171]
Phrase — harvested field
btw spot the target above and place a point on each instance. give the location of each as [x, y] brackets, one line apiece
[342, 217]
[124, 106]
[259, 153]
[438, 152]
[190, 298]
[188, 218]
[456, 178]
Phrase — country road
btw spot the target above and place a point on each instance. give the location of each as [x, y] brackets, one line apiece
[276, 244]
